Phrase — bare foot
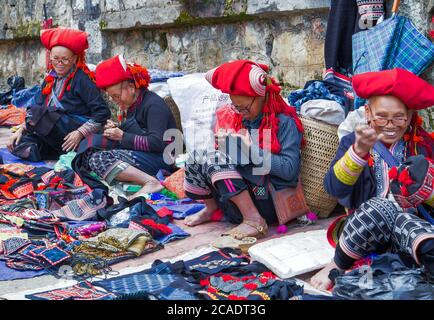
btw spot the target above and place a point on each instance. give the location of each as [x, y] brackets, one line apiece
[321, 280]
[202, 216]
[249, 228]
[150, 187]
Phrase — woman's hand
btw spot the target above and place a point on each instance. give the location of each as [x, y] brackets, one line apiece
[15, 138]
[114, 134]
[110, 125]
[72, 140]
[224, 137]
[366, 137]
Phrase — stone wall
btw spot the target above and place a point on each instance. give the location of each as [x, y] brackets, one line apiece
[190, 35]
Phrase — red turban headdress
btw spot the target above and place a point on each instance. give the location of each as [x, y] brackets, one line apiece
[74, 40]
[413, 91]
[115, 70]
[247, 78]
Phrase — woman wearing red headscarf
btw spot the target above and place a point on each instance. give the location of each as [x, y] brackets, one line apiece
[222, 181]
[133, 151]
[70, 106]
[391, 209]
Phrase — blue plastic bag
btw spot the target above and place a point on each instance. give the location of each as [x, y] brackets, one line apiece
[26, 97]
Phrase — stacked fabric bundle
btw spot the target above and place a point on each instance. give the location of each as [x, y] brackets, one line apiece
[11, 115]
[327, 100]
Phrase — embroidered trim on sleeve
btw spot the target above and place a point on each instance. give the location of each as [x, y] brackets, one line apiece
[141, 143]
[349, 167]
[90, 127]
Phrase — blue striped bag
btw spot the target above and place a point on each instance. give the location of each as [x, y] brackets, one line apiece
[394, 43]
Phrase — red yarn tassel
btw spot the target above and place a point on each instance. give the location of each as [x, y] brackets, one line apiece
[404, 191]
[274, 104]
[418, 138]
[393, 173]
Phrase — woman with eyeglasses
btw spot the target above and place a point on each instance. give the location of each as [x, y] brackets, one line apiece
[131, 151]
[70, 106]
[272, 134]
[360, 176]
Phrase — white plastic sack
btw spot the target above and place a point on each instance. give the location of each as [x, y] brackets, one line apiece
[91, 67]
[197, 101]
[328, 111]
[160, 88]
[295, 254]
[354, 118]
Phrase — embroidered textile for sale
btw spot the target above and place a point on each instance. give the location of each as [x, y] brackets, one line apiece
[11, 115]
[81, 291]
[23, 254]
[137, 285]
[413, 182]
[109, 247]
[263, 286]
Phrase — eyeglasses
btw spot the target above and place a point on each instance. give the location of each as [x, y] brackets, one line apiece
[239, 109]
[117, 97]
[382, 122]
[63, 61]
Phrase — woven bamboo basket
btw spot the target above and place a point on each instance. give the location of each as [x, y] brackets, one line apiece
[321, 144]
[175, 111]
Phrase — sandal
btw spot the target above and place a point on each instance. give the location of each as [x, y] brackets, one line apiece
[246, 243]
[262, 231]
[230, 242]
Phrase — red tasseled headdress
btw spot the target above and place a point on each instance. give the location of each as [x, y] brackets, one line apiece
[74, 40]
[414, 92]
[247, 78]
[115, 70]
[419, 141]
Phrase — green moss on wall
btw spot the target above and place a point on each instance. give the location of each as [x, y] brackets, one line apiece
[102, 24]
[189, 17]
[229, 10]
[27, 30]
[187, 20]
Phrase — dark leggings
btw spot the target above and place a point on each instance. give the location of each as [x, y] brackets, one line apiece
[223, 190]
[378, 226]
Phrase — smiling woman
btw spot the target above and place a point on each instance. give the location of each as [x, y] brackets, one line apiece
[62, 60]
[360, 174]
[70, 106]
[388, 116]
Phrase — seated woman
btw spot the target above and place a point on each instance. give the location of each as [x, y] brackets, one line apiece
[234, 187]
[70, 106]
[359, 178]
[133, 151]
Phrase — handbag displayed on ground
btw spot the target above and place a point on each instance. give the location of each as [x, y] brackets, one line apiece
[289, 203]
